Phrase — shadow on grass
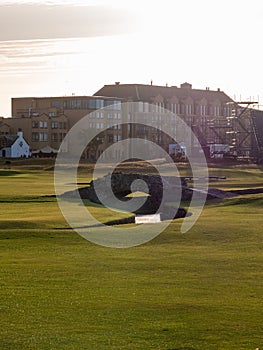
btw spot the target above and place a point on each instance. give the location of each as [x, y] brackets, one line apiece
[27, 199]
[18, 224]
[9, 172]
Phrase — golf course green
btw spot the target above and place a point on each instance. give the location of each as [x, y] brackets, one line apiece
[201, 290]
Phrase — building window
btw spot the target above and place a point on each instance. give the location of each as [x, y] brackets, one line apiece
[140, 106]
[54, 125]
[62, 125]
[75, 104]
[61, 136]
[99, 104]
[92, 104]
[56, 104]
[43, 125]
[51, 114]
[173, 108]
[54, 137]
[35, 136]
[188, 109]
[202, 109]
[43, 136]
[115, 105]
[216, 111]
[110, 138]
[34, 124]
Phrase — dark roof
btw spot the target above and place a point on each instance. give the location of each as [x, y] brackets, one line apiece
[3, 123]
[140, 92]
[7, 140]
[71, 97]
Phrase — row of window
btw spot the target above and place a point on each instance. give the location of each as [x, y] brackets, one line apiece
[57, 137]
[143, 107]
[40, 136]
[186, 109]
[102, 125]
[202, 110]
[43, 136]
[100, 115]
[114, 138]
[86, 103]
[44, 125]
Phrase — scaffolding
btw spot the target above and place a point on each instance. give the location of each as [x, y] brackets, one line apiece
[236, 134]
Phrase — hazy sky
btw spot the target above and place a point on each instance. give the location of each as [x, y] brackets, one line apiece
[50, 48]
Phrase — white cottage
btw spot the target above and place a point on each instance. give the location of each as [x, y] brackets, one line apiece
[14, 146]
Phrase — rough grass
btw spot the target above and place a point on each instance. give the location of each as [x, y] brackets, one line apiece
[194, 291]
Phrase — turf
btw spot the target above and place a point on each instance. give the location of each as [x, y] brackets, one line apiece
[193, 291]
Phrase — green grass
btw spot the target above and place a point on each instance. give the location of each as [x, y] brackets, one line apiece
[197, 291]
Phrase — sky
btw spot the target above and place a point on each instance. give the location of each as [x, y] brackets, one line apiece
[59, 48]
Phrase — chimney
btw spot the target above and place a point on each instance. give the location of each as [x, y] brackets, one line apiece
[186, 86]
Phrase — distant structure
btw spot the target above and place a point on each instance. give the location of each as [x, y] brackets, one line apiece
[225, 128]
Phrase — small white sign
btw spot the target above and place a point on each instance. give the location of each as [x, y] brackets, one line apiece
[147, 219]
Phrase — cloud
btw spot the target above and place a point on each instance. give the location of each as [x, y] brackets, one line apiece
[30, 49]
[31, 56]
[42, 21]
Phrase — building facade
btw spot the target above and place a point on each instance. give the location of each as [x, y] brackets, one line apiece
[46, 120]
[221, 125]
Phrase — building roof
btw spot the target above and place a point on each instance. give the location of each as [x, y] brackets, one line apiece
[141, 92]
[7, 140]
[3, 124]
[66, 97]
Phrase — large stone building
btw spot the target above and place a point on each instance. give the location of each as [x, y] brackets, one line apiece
[222, 126]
